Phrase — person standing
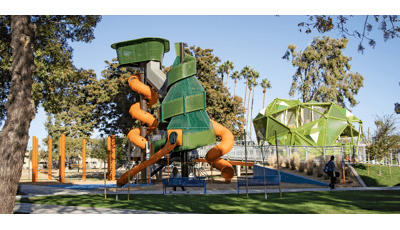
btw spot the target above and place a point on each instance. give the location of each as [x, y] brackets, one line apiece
[331, 172]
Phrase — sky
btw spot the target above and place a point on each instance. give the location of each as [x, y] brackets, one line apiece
[258, 40]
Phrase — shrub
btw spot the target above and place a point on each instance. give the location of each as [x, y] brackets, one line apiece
[302, 166]
[271, 160]
[296, 160]
[287, 162]
[292, 165]
[310, 164]
[280, 161]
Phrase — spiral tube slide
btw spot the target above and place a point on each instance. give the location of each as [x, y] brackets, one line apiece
[214, 155]
[172, 142]
[137, 113]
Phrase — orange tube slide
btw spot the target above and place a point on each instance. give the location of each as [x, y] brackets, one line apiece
[134, 135]
[214, 155]
[138, 114]
[153, 159]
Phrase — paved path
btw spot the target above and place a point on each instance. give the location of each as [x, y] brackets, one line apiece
[56, 209]
[37, 190]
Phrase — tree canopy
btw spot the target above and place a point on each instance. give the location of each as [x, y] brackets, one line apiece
[388, 24]
[52, 57]
[221, 106]
[386, 136]
[323, 72]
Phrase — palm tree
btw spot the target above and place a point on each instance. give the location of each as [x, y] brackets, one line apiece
[245, 73]
[228, 67]
[254, 84]
[235, 76]
[265, 85]
[221, 70]
[250, 85]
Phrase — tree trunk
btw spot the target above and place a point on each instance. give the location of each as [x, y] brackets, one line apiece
[248, 109]
[251, 117]
[234, 92]
[264, 100]
[245, 94]
[227, 79]
[20, 111]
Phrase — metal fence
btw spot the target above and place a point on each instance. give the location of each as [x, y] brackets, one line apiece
[258, 153]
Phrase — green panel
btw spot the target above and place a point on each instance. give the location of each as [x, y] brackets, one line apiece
[131, 53]
[190, 141]
[183, 105]
[273, 126]
[182, 71]
[334, 129]
[191, 122]
[322, 132]
[335, 112]
[260, 127]
[188, 86]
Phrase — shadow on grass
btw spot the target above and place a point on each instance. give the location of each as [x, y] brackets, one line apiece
[291, 203]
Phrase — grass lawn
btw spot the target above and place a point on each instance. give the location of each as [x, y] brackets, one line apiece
[376, 180]
[343, 202]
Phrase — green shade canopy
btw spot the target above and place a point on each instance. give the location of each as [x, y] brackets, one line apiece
[307, 124]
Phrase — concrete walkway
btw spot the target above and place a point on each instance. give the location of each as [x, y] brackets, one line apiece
[57, 209]
[36, 190]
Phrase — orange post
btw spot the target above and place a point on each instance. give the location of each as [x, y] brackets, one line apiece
[62, 158]
[83, 159]
[109, 158]
[34, 159]
[50, 160]
[113, 158]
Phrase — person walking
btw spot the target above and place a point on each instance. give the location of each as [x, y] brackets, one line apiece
[331, 172]
[176, 174]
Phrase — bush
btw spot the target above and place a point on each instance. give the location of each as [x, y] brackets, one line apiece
[280, 161]
[292, 165]
[296, 160]
[271, 160]
[310, 164]
[302, 166]
[287, 162]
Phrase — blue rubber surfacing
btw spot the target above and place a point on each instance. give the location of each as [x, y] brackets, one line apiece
[285, 177]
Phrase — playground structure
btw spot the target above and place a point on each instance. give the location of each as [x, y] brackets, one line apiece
[182, 115]
[306, 124]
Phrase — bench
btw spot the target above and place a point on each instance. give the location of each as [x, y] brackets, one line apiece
[257, 181]
[185, 182]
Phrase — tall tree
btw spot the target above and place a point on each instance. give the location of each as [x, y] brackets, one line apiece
[235, 76]
[245, 73]
[221, 107]
[323, 72]
[265, 84]
[116, 100]
[221, 70]
[385, 138]
[34, 52]
[252, 81]
[228, 67]
[254, 85]
[388, 24]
